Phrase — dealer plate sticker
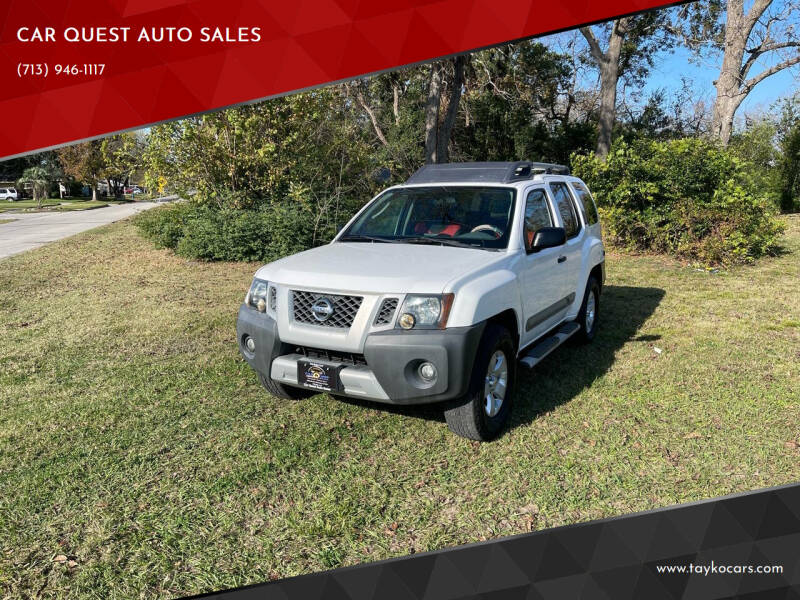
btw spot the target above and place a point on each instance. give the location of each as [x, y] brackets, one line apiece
[318, 376]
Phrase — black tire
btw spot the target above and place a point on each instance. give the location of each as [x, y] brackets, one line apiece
[587, 331]
[285, 392]
[468, 416]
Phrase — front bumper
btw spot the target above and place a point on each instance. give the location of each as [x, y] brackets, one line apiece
[392, 358]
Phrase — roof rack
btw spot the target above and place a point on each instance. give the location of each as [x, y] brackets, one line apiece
[485, 172]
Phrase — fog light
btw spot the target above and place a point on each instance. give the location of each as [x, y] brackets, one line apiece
[262, 305]
[407, 321]
[250, 344]
[427, 371]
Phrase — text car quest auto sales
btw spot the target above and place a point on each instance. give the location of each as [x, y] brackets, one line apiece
[106, 34]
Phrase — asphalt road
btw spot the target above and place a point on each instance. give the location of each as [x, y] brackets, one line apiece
[31, 230]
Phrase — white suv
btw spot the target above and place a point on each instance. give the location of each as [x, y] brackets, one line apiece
[434, 292]
[9, 194]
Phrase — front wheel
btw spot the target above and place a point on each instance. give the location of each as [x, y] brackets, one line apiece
[484, 411]
[590, 309]
[284, 392]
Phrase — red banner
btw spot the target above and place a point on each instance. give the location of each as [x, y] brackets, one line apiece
[76, 70]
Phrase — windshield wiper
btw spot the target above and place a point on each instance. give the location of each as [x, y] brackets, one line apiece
[440, 241]
[365, 238]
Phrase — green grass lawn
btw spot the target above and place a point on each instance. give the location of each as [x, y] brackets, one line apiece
[51, 205]
[138, 449]
[54, 204]
[6, 206]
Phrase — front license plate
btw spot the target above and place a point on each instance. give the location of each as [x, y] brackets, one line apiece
[318, 376]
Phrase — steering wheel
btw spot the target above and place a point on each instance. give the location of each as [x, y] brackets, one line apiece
[498, 233]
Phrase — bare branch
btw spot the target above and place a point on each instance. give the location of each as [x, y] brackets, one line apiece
[758, 8]
[757, 52]
[371, 113]
[594, 46]
[751, 83]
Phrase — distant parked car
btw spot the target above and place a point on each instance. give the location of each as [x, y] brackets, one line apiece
[135, 189]
[9, 194]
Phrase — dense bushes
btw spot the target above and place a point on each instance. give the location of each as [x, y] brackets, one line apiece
[206, 233]
[684, 197]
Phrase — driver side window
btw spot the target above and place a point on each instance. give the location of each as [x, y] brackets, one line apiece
[537, 215]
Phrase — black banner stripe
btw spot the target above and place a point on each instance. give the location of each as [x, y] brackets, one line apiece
[620, 557]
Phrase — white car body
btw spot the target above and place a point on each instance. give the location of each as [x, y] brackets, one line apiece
[9, 194]
[484, 283]
[529, 293]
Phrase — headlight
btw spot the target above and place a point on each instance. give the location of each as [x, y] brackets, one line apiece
[257, 296]
[425, 312]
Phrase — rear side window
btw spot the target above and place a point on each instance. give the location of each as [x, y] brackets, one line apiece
[566, 208]
[585, 198]
[537, 215]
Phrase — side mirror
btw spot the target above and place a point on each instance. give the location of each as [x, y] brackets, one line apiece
[548, 237]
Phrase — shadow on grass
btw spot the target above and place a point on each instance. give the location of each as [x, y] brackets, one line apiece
[572, 368]
[569, 369]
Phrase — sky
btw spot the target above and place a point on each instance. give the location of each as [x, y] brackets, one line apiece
[672, 66]
[700, 72]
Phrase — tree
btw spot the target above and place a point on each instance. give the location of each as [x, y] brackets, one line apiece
[438, 128]
[121, 156]
[306, 152]
[12, 169]
[789, 166]
[755, 44]
[83, 162]
[630, 45]
[520, 102]
[38, 177]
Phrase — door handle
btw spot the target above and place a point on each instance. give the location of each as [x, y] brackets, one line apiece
[562, 259]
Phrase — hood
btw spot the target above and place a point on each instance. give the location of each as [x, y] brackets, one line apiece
[377, 268]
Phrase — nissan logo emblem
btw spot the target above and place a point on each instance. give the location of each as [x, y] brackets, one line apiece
[322, 309]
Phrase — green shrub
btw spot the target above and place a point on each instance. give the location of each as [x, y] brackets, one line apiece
[206, 233]
[686, 197]
[164, 225]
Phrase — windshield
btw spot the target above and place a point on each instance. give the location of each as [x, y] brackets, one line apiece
[477, 217]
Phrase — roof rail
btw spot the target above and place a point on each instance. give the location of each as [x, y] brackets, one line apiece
[525, 170]
[485, 172]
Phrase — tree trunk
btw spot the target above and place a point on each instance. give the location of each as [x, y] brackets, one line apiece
[432, 114]
[609, 76]
[396, 103]
[740, 54]
[94, 192]
[728, 84]
[446, 130]
[608, 63]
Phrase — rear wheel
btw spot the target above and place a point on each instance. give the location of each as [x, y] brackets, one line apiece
[284, 392]
[484, 411]
[590, 309]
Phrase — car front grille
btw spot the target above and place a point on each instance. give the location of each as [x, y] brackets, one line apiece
[332, 356]
[344, 309]
[386, 312]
